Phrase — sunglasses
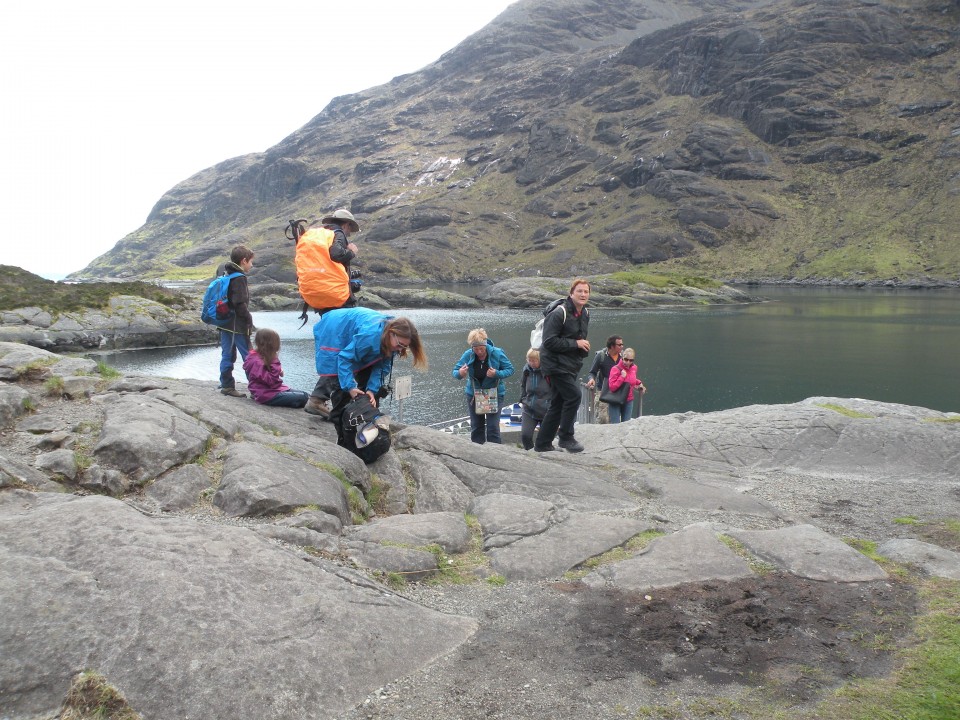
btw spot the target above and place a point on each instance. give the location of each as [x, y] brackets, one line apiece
[627, 361]
[619, 344]
[401, 345]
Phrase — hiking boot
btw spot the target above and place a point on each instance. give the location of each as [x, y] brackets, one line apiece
[232, 392]
[318, 406]
[548, 448]
[571, 445]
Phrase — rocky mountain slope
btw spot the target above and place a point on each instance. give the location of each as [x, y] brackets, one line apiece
[748, 140]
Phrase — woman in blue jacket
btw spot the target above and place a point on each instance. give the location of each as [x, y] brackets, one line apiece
[355, 348]
[483, 366]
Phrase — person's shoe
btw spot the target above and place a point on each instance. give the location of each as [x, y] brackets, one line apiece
[548, 448]
[316, 406]
[232, 392]
[571, 445]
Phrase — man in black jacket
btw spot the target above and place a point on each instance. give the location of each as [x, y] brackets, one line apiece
[562, 352]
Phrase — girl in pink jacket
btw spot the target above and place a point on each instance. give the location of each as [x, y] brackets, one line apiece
[265, 376]
[624, 371]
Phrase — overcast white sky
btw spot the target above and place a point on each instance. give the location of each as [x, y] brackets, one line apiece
[107, 104]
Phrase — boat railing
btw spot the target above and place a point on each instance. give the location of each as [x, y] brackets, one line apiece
[586, 414]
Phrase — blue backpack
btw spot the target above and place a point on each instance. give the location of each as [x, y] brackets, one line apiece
[215, 310]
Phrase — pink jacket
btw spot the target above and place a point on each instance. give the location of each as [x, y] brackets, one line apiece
[264, 382]
[616, 380]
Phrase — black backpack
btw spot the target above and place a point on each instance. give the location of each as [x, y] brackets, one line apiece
[359, 421]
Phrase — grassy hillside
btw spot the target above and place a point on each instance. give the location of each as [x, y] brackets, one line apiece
[19, 288]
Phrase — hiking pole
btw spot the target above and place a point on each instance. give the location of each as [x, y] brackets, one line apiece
[294, 230]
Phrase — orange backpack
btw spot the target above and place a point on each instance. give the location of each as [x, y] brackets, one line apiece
[323, 282]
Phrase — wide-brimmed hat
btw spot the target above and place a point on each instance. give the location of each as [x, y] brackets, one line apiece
[341, 216]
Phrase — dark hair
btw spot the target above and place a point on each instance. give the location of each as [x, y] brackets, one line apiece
[240, 253]
[612, 340]
[268, 345]
[405, 329]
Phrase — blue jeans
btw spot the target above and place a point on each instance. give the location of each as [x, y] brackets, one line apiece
[289, 398]
[484, 428]
[230, 343]
[620, 413]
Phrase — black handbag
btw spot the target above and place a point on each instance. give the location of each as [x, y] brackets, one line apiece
[615, 397]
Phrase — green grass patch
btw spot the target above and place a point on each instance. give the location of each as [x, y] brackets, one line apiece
[282, 449]
[394, 580]
[377, 496]
[53, 386]
[460, 569]
[844, 411]
[943, 420]
[107, 372]
[338, 473]
[867, 547]
[663, 281]
[630, 548]
[756, 565]
[926, 685]
[906, 520]
[35, 369]
[91, 697]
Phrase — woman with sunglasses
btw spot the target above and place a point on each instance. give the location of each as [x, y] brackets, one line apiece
[354, 352]
[624, 371]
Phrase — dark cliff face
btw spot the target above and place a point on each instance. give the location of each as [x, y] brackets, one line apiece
[733, 139]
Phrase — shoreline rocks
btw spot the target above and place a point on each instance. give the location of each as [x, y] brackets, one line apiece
[133, 323]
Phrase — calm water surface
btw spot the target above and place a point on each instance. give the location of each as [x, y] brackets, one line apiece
[896, 346]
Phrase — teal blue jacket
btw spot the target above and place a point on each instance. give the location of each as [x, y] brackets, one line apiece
[498, 361]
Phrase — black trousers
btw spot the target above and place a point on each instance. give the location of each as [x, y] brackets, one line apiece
[562, 413]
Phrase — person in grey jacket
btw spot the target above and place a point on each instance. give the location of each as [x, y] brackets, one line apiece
[484, 366]
[535, 397]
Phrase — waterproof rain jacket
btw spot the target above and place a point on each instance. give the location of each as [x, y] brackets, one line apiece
[498, 361]
[534, 392]
[559, 352]
[347, 341]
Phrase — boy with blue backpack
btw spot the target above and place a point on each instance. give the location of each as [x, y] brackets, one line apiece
[232, 315]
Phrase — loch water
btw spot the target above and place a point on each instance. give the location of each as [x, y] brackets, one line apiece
[900, 346]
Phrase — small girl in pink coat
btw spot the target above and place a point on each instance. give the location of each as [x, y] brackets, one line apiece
[265, 376]
[624, 371]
